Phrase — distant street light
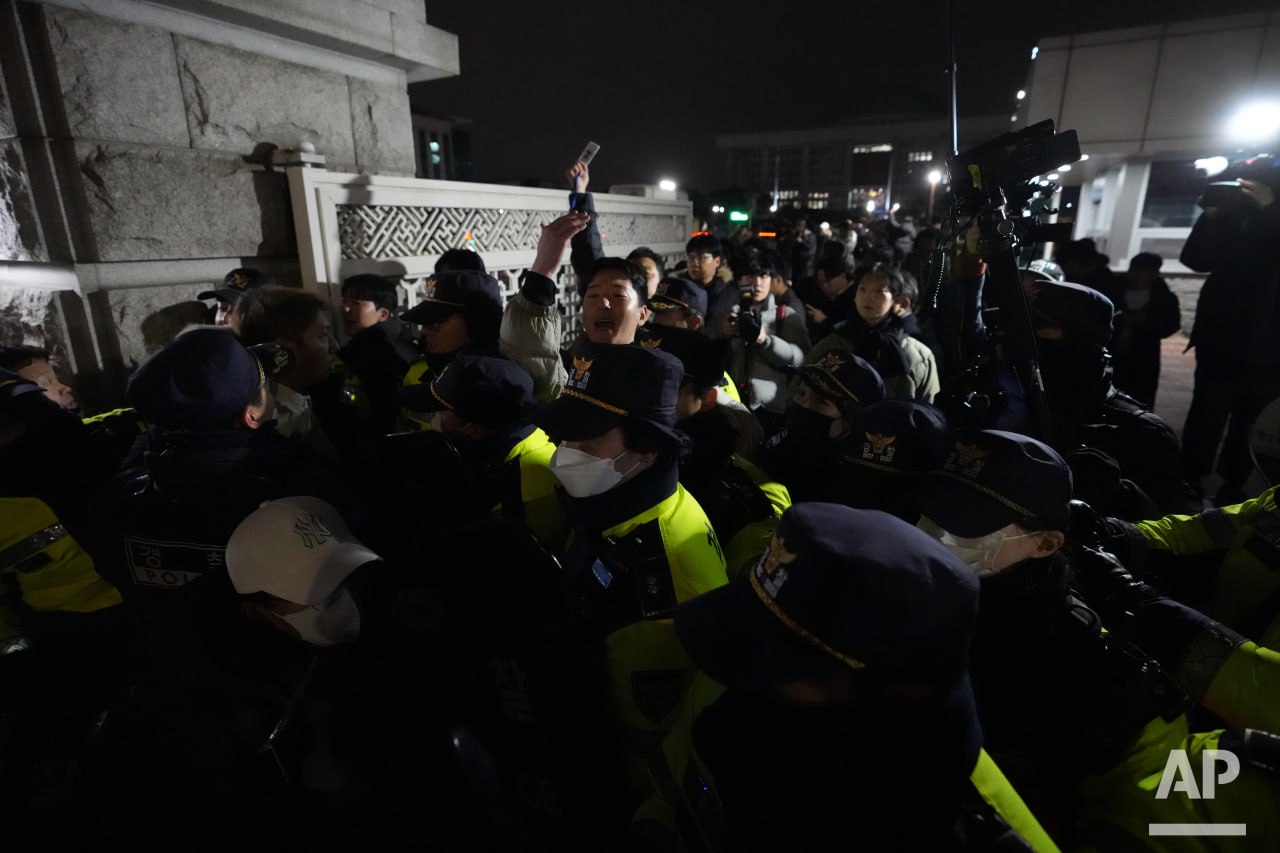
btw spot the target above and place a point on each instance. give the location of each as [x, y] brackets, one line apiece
[667, 185]
[934, 178]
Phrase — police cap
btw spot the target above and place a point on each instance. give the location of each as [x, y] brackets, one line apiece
[703, 358]
[483, 389]
[608, 384]
[897, 436]
[843, 586]
[1081, 313]
[235, 284]
[199, 381]
[991, 479]
[844, 378]
[675, 293]
[474, 294]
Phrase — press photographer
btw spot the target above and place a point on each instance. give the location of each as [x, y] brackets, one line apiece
[768, 339]
[1237, 241]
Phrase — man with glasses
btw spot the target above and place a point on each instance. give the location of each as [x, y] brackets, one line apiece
[704, 256]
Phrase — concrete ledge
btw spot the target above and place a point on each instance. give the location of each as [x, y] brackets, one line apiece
[350, 37]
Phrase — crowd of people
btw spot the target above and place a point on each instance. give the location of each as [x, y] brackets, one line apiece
[774, 556]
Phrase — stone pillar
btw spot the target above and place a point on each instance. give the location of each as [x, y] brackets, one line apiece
[135, 154]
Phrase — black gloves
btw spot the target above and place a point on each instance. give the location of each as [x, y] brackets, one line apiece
[1093, 530]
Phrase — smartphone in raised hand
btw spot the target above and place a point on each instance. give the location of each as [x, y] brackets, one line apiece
[588, 154]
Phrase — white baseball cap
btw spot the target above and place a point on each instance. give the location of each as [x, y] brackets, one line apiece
[298, 549]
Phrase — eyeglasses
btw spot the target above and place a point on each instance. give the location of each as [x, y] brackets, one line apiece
[702, 258]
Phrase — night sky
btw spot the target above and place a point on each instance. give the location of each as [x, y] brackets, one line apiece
[654, 81]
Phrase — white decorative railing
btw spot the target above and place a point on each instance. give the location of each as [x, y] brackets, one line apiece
[349, 224]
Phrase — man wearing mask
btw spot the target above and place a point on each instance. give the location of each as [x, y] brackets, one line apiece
[1041, 659]
[1073, 326]
[641, 542]
[804, 455]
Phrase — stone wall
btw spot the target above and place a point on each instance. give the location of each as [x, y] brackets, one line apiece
[136, 161]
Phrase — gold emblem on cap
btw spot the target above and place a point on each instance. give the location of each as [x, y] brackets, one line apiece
[831, 361]
[580, 373]
[879, 442]
[651, 343]
[967, 454]
[776, 556]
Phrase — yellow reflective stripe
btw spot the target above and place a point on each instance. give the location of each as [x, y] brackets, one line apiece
[14, 555]
[998, 793]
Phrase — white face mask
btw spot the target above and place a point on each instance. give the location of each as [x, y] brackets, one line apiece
[329, 624]
[977, 552]
[584, 475]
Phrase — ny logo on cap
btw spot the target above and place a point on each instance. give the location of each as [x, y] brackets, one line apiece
[311, 531]
[879, 447]
[966, 459]
[770, 570]
[580, 373]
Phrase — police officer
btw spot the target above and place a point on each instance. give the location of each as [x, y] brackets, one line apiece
[1073, 326]
[379, 351]
[44, 569]
[1221, 561]
[210, 457]
[889, 444]
[1233, 677]
[483, 404]
[235, 284]
[843, 650]
[741, 501]
[462, 310]
[803, 455]
[205, 688]
[679, 303]
[1041, 660]
[642, 544]
[61, 632]
[1221, 564]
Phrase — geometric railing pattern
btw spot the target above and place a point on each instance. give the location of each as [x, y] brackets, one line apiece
[375, 231]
